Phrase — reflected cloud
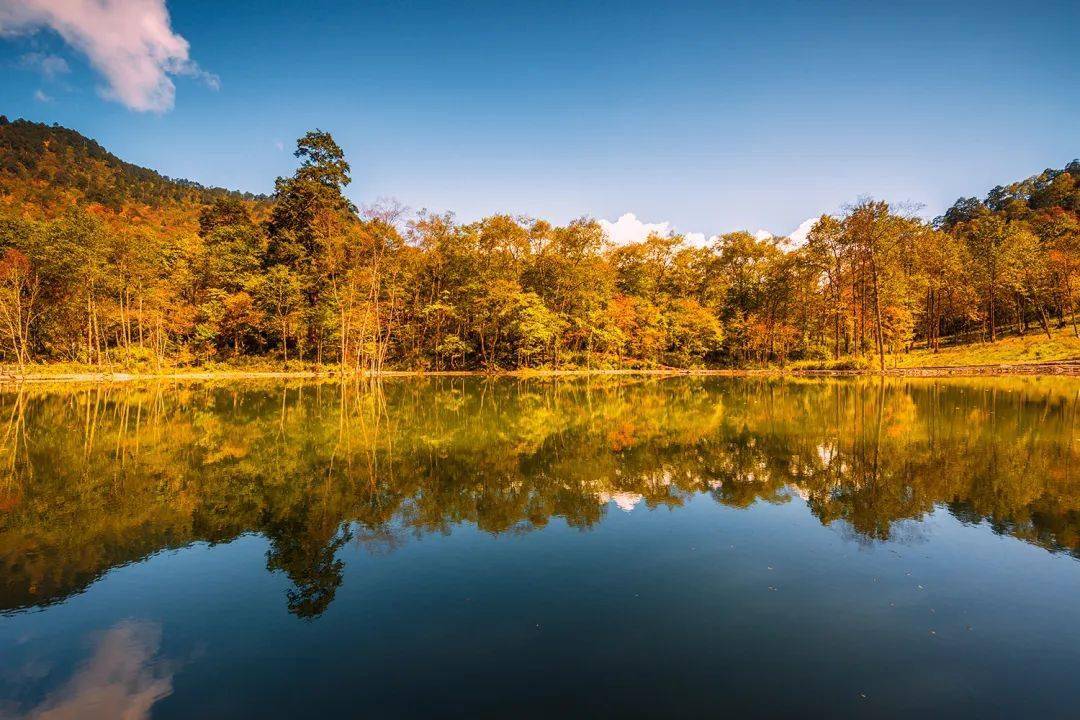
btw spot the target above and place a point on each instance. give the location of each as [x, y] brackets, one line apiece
[122, 679]
[625, 501]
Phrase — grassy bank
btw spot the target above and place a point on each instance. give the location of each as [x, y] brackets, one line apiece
[1034, 347]
[1032, 354]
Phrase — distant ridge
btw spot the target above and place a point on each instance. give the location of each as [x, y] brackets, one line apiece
[46, 169]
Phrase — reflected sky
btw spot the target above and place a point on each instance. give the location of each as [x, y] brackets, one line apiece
[122, 678]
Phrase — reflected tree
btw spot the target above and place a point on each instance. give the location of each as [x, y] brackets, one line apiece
[101, 476]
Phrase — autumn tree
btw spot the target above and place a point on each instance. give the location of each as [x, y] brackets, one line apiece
[997, 249]
[19, 289]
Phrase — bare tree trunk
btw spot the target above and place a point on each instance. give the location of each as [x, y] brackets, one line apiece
[1045, 321]
[877, 318]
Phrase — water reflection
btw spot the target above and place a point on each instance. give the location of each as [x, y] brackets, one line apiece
[122, 678]
[96, 477]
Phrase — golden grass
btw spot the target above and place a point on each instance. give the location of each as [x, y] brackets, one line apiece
[1034, 347]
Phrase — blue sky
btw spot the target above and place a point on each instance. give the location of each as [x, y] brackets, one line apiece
[705, 116]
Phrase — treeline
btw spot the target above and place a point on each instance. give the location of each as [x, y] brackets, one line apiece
[308, 277]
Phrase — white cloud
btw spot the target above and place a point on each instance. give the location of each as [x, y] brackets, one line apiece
[124, 678]
[40, 96]
[696, 239]
[130, 42]
[50, 66]
[279, 145]
[625, 501]
[798, 235]
[628, 229]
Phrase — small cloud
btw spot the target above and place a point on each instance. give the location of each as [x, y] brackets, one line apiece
[50, 66]
[798, 235]
[279, 145]
[763, 234]
[40, 96]
[696, 239]
[628, 229]
[130, 42]
[123, 678]
[625, 501]
[209, 79]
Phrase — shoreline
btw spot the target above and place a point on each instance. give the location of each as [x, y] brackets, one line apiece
[1053, 368]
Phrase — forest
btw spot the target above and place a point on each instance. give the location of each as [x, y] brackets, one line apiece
[106, 264]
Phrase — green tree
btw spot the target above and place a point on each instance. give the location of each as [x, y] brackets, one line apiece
[279, 295]
[310, 213]
[997, 249]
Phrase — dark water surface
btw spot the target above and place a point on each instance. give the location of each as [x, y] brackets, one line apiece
[466, 548]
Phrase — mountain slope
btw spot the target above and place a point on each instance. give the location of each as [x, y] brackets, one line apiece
[47, 169]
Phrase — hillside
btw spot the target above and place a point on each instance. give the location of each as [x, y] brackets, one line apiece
[45, 170]
[1030, 348]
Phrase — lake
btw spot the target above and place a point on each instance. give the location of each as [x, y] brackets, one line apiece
[619, 546]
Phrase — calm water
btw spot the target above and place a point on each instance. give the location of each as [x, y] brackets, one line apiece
[460, 547]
